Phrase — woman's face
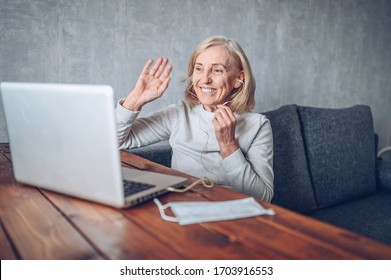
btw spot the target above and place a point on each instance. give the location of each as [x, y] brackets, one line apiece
[212, 81]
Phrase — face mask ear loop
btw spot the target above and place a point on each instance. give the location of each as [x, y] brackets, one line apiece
[161, 208]
[205, 182]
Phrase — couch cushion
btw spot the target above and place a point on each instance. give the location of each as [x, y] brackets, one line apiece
[160, 152]
[369, 216]
[292, 184]
[340, 150]
[383, 172]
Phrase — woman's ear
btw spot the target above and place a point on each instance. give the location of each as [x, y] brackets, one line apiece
[239, 80]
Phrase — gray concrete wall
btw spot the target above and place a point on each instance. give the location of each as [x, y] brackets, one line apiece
[326, 53]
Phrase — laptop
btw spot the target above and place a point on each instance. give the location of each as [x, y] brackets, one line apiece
[63, 138]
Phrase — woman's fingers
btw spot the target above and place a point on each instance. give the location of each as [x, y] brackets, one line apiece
[154, 78]
[164, 85]
[166, 73]
[224, 116]
[157, 69]
[160, 70]
[162, 66]
[146, 67]
[225, 123]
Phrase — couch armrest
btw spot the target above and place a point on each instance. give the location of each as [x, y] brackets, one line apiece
[383, 173]
[160, 153]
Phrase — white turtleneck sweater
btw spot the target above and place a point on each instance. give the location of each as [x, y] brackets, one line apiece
[195, 149]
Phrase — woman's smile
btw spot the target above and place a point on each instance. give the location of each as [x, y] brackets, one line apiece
[207, 90]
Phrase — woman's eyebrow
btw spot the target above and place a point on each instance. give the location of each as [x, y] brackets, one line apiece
[213, 64]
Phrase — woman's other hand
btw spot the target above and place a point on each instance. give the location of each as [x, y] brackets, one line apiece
[224, 123]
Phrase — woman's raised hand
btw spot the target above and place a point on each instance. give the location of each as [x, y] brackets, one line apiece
[150, 85]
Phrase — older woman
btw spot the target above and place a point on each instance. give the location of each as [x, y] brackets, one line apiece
[212, 133]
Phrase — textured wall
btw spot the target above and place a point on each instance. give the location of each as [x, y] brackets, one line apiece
[332, 53]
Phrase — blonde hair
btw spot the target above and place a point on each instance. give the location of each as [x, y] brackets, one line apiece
[242, 98]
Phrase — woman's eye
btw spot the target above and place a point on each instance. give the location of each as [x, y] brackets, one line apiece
[198, 69]
[218, 71]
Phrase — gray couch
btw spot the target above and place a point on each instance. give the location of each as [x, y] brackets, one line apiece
[325, 166]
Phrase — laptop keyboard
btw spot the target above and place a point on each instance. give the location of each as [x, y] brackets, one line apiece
[132, 187]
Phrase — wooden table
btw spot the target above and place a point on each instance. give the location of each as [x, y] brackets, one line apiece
[38, 224]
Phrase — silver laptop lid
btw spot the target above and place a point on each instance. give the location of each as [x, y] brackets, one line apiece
[63, 138]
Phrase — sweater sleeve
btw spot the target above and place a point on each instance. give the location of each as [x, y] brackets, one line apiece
[252, 173]
[124, 119]
[134, 132]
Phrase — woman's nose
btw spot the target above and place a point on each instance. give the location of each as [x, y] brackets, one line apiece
[206, 77]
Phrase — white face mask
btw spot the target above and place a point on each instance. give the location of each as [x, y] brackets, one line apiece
[202, 211]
